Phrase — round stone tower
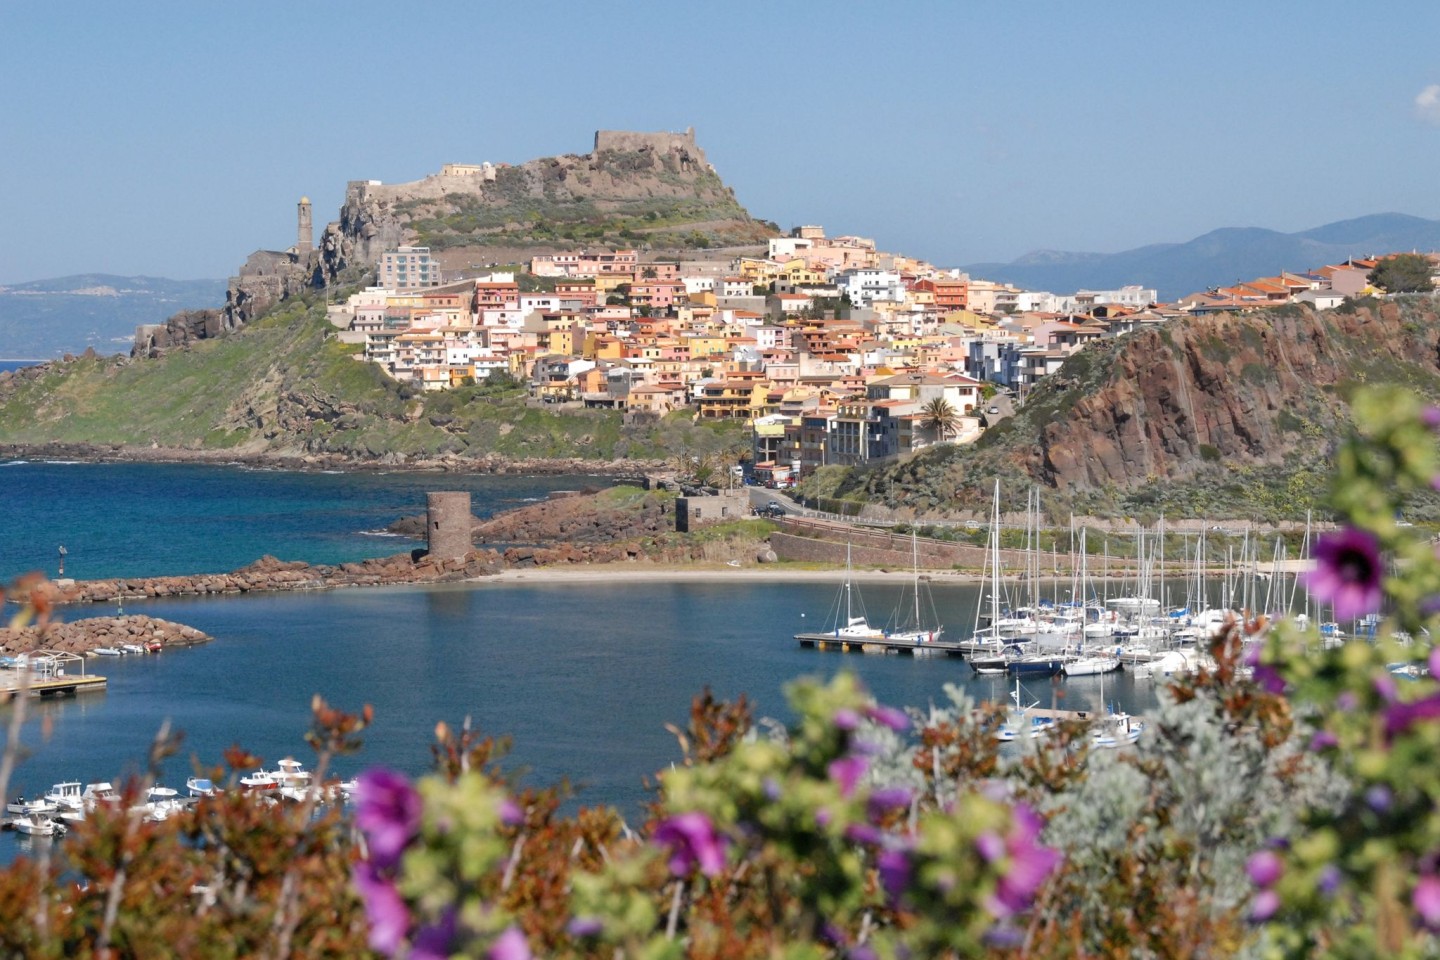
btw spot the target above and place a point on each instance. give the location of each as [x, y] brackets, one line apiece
[305, 233]
[447, 524]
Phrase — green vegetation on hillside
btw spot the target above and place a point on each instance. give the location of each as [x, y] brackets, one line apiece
[285, 384]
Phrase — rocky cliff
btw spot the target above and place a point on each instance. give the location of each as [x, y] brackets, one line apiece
[651, 190]
[1205, 416]
[654, 190]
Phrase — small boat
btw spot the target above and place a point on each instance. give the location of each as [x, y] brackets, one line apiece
[200, 787]
[66, 796]
[1090, 666]
[26, 808]
[160, 803]
[154, 646]
[134, 648]
[106, 652]
[1116, 730]
[39, 825]
[260, 782]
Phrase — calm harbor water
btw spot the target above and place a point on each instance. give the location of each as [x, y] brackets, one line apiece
[584, 676]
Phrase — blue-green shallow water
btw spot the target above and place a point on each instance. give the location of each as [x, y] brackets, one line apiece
[583, 676]
[148, 519]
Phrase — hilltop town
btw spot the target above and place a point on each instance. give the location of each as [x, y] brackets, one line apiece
[831, 350]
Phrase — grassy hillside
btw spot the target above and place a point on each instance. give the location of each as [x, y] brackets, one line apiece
[285, 385]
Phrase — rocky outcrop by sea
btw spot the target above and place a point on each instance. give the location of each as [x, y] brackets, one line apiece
[82, 636]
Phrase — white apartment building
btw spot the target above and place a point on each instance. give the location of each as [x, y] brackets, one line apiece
[408, 268]
[864, 287]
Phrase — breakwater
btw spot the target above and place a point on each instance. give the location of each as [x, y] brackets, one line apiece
[271, 575]
[82, 636]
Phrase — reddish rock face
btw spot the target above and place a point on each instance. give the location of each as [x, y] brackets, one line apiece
[1242, 389]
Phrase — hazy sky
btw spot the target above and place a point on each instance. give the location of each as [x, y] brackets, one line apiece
[173, 139]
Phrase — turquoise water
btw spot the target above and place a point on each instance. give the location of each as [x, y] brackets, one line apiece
[584, 676]
[145, 519]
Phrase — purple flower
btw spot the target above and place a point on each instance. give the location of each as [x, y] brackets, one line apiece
[1427, 900]
[1329, 880]
[885, 800]
[772, 789]
[1348, 573]
[1265, 905]
[1378, 798]
[847, 772]
[387, 809]
[585, 927]
[1400, 717]
[990, 846]
[1434, 663]
[1323, 740]
[435, 942]
[863, 951]
[1269, 679]
[889, 717]
[845, 719]
[1430, 417]
[894, 869]
[1384, 686]
[1028, 862]
[511, 813]
[1265, 868]
[692, 840]
[389, 917]
[862, 833]
[1003, 936]
[510, 945]
[1346, 700]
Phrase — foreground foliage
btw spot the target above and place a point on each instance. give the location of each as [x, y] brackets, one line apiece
[1283, 802]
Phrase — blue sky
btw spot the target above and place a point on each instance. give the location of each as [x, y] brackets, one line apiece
[173, 139]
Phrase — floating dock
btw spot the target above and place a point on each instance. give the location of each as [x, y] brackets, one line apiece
[11, 684]
[878, 645]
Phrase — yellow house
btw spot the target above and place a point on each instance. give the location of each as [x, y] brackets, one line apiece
[557, 340]
[799, 272]
[606, 284]
[708, 346]
[758, 270]
[603, 346]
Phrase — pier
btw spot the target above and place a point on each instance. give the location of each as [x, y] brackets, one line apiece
[47, 673]
[879, 645]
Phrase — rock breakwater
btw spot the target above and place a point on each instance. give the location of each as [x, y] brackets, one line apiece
[270, 574]
[83, 636]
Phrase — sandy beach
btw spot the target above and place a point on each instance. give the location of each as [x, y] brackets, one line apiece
[711, 573]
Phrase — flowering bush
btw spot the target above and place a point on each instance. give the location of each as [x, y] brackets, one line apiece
[1283, 802]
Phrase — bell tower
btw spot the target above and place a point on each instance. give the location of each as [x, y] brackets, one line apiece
[305, 239]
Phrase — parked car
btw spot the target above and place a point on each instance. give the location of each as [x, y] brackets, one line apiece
[993, 410]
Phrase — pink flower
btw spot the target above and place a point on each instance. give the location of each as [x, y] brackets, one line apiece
[510, 945]
[845, 719]
[1427, 901]
[389, 917]
[1265, 868]
[387, 809]
[1028, 865]
[1348, 573]
[692, 840]
[889, 717]
[1265, 905]
[847, 772]
[511, 814]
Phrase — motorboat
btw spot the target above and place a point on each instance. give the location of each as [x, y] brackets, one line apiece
[132, 648]
[261, 782]
[26, 808]
[106, 652]
[39, 825]
[200, 787]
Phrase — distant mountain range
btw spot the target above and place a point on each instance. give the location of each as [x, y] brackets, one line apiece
[42, 319]
[1219, 258]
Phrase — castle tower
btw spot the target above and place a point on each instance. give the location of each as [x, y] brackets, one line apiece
[305, 241]
[448, 524]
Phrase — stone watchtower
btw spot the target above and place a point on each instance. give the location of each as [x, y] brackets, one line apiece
[447, 524]
[305, 239]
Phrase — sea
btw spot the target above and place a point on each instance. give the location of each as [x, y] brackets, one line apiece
[584, 677]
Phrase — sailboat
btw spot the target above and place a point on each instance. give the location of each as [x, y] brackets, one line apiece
[911, 626]
[1114, 729]
[845, 626]
[1020, 724]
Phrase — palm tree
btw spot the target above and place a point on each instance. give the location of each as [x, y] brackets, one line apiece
[940, 417]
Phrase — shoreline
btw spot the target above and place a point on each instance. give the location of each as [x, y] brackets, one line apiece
[302, 462]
